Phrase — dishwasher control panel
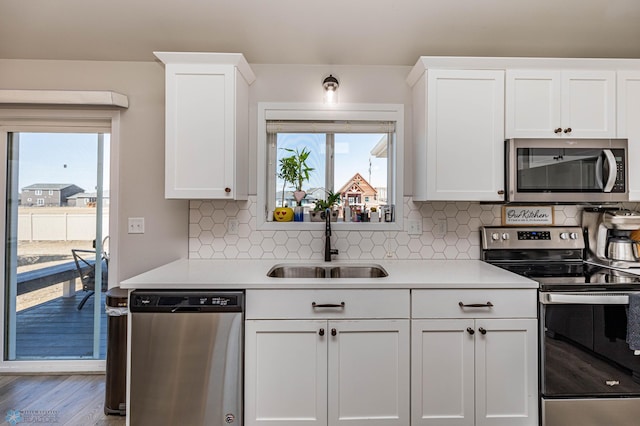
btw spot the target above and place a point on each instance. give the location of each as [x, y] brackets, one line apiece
[186, 301]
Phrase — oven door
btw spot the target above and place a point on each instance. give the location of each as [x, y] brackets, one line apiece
[588, 373]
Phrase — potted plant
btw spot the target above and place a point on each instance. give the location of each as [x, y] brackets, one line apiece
[293, 170]
[322, 205]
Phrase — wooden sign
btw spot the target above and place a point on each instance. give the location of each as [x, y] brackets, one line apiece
[527, 215]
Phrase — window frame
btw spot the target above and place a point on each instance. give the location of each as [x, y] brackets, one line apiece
[268, 111]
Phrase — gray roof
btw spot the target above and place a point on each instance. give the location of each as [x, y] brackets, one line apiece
[105, 194]
[50, 186]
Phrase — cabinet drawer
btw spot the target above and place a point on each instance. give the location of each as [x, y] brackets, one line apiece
[446, 303]
[303, 304]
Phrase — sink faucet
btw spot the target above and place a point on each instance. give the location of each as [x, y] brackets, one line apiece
[328, 251]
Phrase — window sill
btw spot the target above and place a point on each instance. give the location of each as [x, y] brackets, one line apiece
[335, 226]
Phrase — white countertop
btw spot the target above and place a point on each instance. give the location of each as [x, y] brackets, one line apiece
[252, 274]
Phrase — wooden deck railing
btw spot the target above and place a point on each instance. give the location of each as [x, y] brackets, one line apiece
[65, 273]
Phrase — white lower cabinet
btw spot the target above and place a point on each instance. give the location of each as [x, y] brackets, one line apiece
[472, 368]
[327, 371]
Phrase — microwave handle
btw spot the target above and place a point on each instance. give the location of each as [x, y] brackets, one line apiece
[613, 170]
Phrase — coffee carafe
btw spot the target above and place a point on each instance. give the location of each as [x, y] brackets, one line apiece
[612, 236]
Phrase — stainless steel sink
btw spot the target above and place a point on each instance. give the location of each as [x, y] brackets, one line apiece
[358, 271]
[297, 271]
[315, 271]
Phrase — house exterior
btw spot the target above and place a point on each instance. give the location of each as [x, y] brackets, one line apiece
[48, 194]
[357, 191]
[87, 199]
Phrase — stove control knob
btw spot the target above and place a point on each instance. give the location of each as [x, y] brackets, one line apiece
[495, 236]
[564, 235]
[505, 236]
[573, 236]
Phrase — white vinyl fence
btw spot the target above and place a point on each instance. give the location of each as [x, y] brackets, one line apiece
[59, 226]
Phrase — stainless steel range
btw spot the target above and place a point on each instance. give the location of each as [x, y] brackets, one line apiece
[588, 374]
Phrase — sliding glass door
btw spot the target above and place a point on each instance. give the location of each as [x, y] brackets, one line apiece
[57, 245]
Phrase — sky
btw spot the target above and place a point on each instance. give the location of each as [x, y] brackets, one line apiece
[61, 158]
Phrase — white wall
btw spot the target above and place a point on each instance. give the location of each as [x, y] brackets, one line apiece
[141, 160]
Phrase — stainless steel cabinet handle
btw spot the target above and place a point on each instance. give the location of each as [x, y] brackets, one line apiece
[482, 330]
[321, 332]
[470, 330]
[334, 332]
[476, 305]
[327, 305]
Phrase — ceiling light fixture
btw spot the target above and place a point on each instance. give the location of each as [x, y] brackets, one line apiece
[330, 86]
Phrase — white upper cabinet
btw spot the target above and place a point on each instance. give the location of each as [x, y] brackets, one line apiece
[629, 124]
[555, 103]
[458, 130]
[207, 125]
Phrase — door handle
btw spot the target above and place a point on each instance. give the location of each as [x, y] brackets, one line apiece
[327, 305]
[334, 332]
[321, 332]
[482, 330]
[476, 305]
[470, 330]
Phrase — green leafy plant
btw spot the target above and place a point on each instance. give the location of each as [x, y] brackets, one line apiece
[294, 169]
[332, 200]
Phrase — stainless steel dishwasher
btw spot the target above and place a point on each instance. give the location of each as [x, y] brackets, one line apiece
[186, 358]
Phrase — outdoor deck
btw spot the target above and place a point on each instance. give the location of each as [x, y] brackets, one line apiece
[57, 329]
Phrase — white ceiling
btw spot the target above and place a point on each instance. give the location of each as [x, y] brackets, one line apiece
[357, 32]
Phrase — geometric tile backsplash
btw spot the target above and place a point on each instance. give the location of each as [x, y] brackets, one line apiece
[209, 239]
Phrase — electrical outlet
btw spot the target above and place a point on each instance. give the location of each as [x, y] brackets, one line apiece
[136, 225]
[440, 228]
[232, 227]
[414, 227]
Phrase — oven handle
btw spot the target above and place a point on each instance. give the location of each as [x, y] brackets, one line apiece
[584, 299]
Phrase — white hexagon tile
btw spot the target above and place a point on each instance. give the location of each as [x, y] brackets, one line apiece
[209, 238]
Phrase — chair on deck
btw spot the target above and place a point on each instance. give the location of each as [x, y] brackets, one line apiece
[86, 266]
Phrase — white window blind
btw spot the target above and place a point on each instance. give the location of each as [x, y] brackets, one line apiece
[301, 126]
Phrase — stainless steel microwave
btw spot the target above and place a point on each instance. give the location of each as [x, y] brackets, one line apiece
[566, 170]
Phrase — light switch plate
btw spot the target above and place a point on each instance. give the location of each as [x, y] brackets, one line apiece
[414, 227]
[136, 225]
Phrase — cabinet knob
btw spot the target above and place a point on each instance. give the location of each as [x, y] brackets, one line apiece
[482, 330]
[501, 192]
[321, 332]
[567, 130]
[558, 130]
[470, 330]
[334, 332]
[227, 190]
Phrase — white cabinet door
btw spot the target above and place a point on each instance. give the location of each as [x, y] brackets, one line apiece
[533, 103]
[589, 104]
[506, 372]
[369, 373]
[442, 372]
[286, 372]
[464, 137]
[629, 125]
[206, 125]
[552, 103]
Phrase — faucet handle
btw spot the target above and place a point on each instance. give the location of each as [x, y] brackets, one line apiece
[334, 251]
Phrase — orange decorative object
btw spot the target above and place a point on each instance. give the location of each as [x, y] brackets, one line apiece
[283, 214]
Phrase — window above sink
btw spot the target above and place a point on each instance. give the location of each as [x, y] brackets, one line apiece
[354, 150]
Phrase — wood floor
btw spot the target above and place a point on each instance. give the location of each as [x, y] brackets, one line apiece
[76, 400]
